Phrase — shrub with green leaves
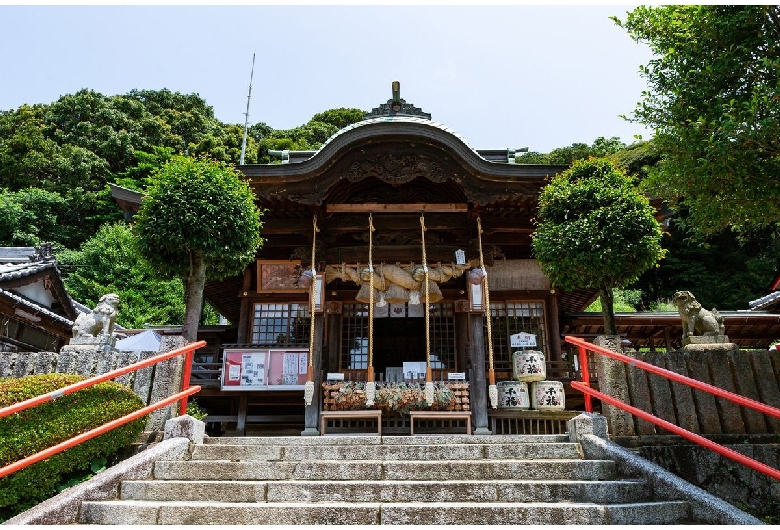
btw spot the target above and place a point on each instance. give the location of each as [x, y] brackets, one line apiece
[28, 432]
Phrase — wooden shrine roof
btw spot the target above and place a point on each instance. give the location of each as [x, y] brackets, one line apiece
[748, 329]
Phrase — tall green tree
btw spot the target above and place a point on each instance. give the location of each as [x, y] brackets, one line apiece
[198, 221]
[596, 230]
[713, 104]
[108, 262]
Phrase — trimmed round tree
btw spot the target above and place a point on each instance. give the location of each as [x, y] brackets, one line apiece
[596, 230]
[198, 220]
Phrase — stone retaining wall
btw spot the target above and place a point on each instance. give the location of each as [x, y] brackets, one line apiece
[750, 373]
[151, 383]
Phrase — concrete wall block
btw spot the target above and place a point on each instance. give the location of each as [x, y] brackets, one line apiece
[165, 382]
[639, 389]
[768, 388]
[746, 386]
[7, 363]
[126, 358]
[85, 362]
[730, 413]
[706, 404]
[663, 406]
[46, 362]
[66, 361]
[682, 395]
[613, 381]
[143, 379]
[25, 364]
[106, 362]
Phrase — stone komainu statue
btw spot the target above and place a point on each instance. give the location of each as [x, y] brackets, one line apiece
[101, 321]
[695, 319]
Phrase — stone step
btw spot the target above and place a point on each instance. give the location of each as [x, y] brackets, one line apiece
[443, 470]
[243, 452]
[603, 492]
[417, 513]
[352, 440]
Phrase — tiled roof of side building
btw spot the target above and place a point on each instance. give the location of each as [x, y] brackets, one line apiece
[765, 301]
[32, 306]
[12, 271]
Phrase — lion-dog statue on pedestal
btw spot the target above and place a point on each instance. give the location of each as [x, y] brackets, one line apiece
[101, 321]
[695, 319]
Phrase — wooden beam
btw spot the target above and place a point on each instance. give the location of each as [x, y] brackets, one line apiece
[378, 208]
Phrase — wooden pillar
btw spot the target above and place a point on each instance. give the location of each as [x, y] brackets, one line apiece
[334, 336]
[312, 412]
[479, 402]
[245, 318]
[462, 341]
[554, 327]
[668, 338]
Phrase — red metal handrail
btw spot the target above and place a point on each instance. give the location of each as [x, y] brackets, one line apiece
[584, 386]
[181, 397]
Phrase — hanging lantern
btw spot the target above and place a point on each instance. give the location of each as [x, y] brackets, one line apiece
[475, 276]
[306, 279]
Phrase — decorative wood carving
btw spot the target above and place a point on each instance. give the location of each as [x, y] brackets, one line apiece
[396, 169]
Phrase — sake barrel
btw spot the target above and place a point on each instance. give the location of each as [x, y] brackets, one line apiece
[547, 395]
[513, 395]
[528, 366]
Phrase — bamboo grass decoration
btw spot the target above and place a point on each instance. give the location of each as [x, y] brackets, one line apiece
[308, 389]
[429, 393]
[492, 389]
[370, 384]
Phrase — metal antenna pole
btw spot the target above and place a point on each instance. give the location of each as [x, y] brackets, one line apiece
[246, 114]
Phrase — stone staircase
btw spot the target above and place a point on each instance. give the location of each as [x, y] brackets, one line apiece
[450, 480]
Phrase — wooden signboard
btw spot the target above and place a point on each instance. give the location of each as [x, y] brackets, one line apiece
[278, 276]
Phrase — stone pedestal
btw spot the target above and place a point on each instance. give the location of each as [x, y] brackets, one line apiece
[105, 343]
[708, 343]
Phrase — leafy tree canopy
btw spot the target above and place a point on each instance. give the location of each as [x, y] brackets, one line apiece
[198, 220]
[595, 230]
[565, 156]
[32, 216]
[714, 107]
[109, 262]
[307, 137]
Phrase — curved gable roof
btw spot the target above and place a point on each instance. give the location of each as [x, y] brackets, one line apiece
[431, 142]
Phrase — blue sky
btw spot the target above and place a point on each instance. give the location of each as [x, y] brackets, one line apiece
[502, 76]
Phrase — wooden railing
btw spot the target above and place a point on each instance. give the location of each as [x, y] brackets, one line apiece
[180, 397]
[585, 386]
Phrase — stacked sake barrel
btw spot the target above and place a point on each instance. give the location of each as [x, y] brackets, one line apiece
[528, 367]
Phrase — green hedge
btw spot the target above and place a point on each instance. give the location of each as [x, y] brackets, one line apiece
[33, 430]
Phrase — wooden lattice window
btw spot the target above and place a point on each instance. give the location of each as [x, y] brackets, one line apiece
[509, 318]
[281, 324]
